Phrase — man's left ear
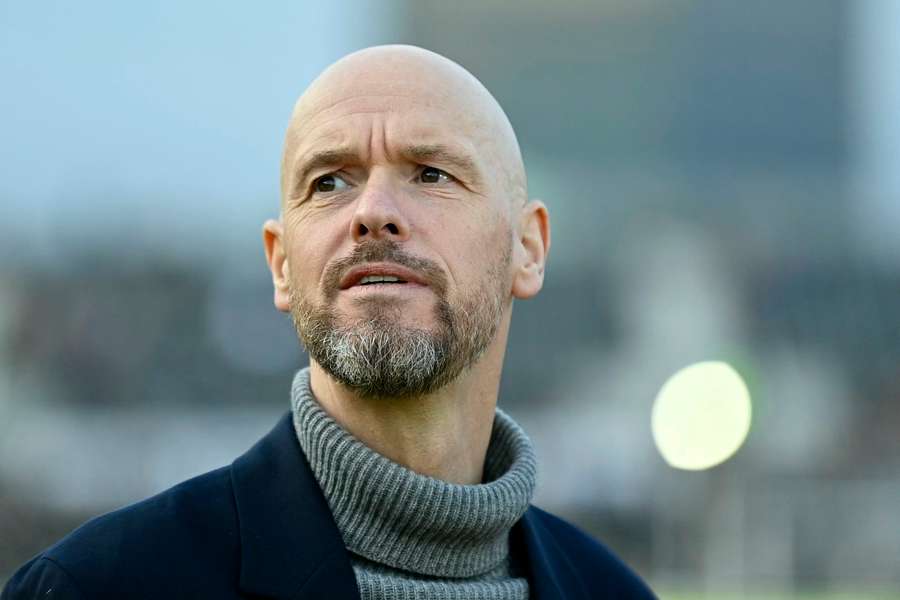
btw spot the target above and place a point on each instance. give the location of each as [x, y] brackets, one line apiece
[531, 248]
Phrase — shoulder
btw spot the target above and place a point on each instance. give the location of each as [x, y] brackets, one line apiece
[595, 565]
[172, 537]
[41, 577]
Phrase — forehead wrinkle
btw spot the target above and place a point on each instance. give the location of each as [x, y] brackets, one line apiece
[432, 142]
[336, 103]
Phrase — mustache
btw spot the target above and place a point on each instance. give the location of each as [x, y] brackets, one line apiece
[383, 251]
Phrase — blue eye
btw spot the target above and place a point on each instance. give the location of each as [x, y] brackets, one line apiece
[433, 175]
[329, 183]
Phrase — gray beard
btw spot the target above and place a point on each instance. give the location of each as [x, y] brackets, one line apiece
[378, 358]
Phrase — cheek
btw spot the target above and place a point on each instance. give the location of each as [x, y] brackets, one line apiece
[483, 257]
[307, 260]
[303, 271]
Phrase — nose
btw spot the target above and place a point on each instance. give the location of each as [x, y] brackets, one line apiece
[378, 213]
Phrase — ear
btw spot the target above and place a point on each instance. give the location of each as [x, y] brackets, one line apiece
[273, 240]
[531, 250]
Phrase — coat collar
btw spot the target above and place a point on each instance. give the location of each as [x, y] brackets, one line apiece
[292, 549]
[551, 575]
[290, 546]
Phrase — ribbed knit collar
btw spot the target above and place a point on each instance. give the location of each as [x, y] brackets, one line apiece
[394, 516]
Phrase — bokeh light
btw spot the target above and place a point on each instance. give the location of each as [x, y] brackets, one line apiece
[701, 416]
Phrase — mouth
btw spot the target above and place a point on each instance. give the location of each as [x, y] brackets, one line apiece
[380, 276]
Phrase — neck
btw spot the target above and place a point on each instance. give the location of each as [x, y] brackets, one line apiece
[443, 435]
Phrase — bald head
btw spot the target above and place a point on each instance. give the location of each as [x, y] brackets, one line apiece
[416, 88]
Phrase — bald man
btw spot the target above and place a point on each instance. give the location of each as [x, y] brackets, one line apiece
[405, 232]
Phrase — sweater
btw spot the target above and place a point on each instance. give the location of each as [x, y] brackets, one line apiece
[411, 536]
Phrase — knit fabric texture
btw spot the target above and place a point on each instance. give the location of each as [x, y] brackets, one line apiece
[411, 536]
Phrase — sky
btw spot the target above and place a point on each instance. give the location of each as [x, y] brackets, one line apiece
[157, 126]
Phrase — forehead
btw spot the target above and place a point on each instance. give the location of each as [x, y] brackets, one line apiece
[367, 121]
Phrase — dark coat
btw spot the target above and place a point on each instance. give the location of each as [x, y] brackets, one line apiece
[261, 527]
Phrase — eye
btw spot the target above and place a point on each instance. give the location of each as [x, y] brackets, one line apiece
[329, 183]
[433, 175]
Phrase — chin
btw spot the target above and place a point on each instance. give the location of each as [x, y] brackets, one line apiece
[388, 323]
[388, 313]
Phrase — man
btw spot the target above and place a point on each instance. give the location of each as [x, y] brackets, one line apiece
[405, 233]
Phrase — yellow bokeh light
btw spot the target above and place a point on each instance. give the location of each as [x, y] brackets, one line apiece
[701, 416]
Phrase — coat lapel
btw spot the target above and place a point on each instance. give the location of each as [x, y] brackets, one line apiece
[551, 575]
[290, 546]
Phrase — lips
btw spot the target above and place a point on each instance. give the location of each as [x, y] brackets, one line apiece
[354, 276]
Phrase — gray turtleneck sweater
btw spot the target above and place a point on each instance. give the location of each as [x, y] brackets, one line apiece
[413, 537]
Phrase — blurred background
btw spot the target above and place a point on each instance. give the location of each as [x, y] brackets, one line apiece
[723, 184]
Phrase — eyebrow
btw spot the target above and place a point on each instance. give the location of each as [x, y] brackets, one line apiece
[440, 154]
[464, 167]
[322, 159]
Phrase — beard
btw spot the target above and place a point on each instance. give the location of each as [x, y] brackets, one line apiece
[377, 356]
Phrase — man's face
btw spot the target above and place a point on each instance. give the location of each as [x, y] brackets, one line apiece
[391, 180]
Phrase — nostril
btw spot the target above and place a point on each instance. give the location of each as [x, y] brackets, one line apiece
[392, 228]
[363, 230]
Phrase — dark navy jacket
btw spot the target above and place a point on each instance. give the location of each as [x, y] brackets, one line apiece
[262, 528]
